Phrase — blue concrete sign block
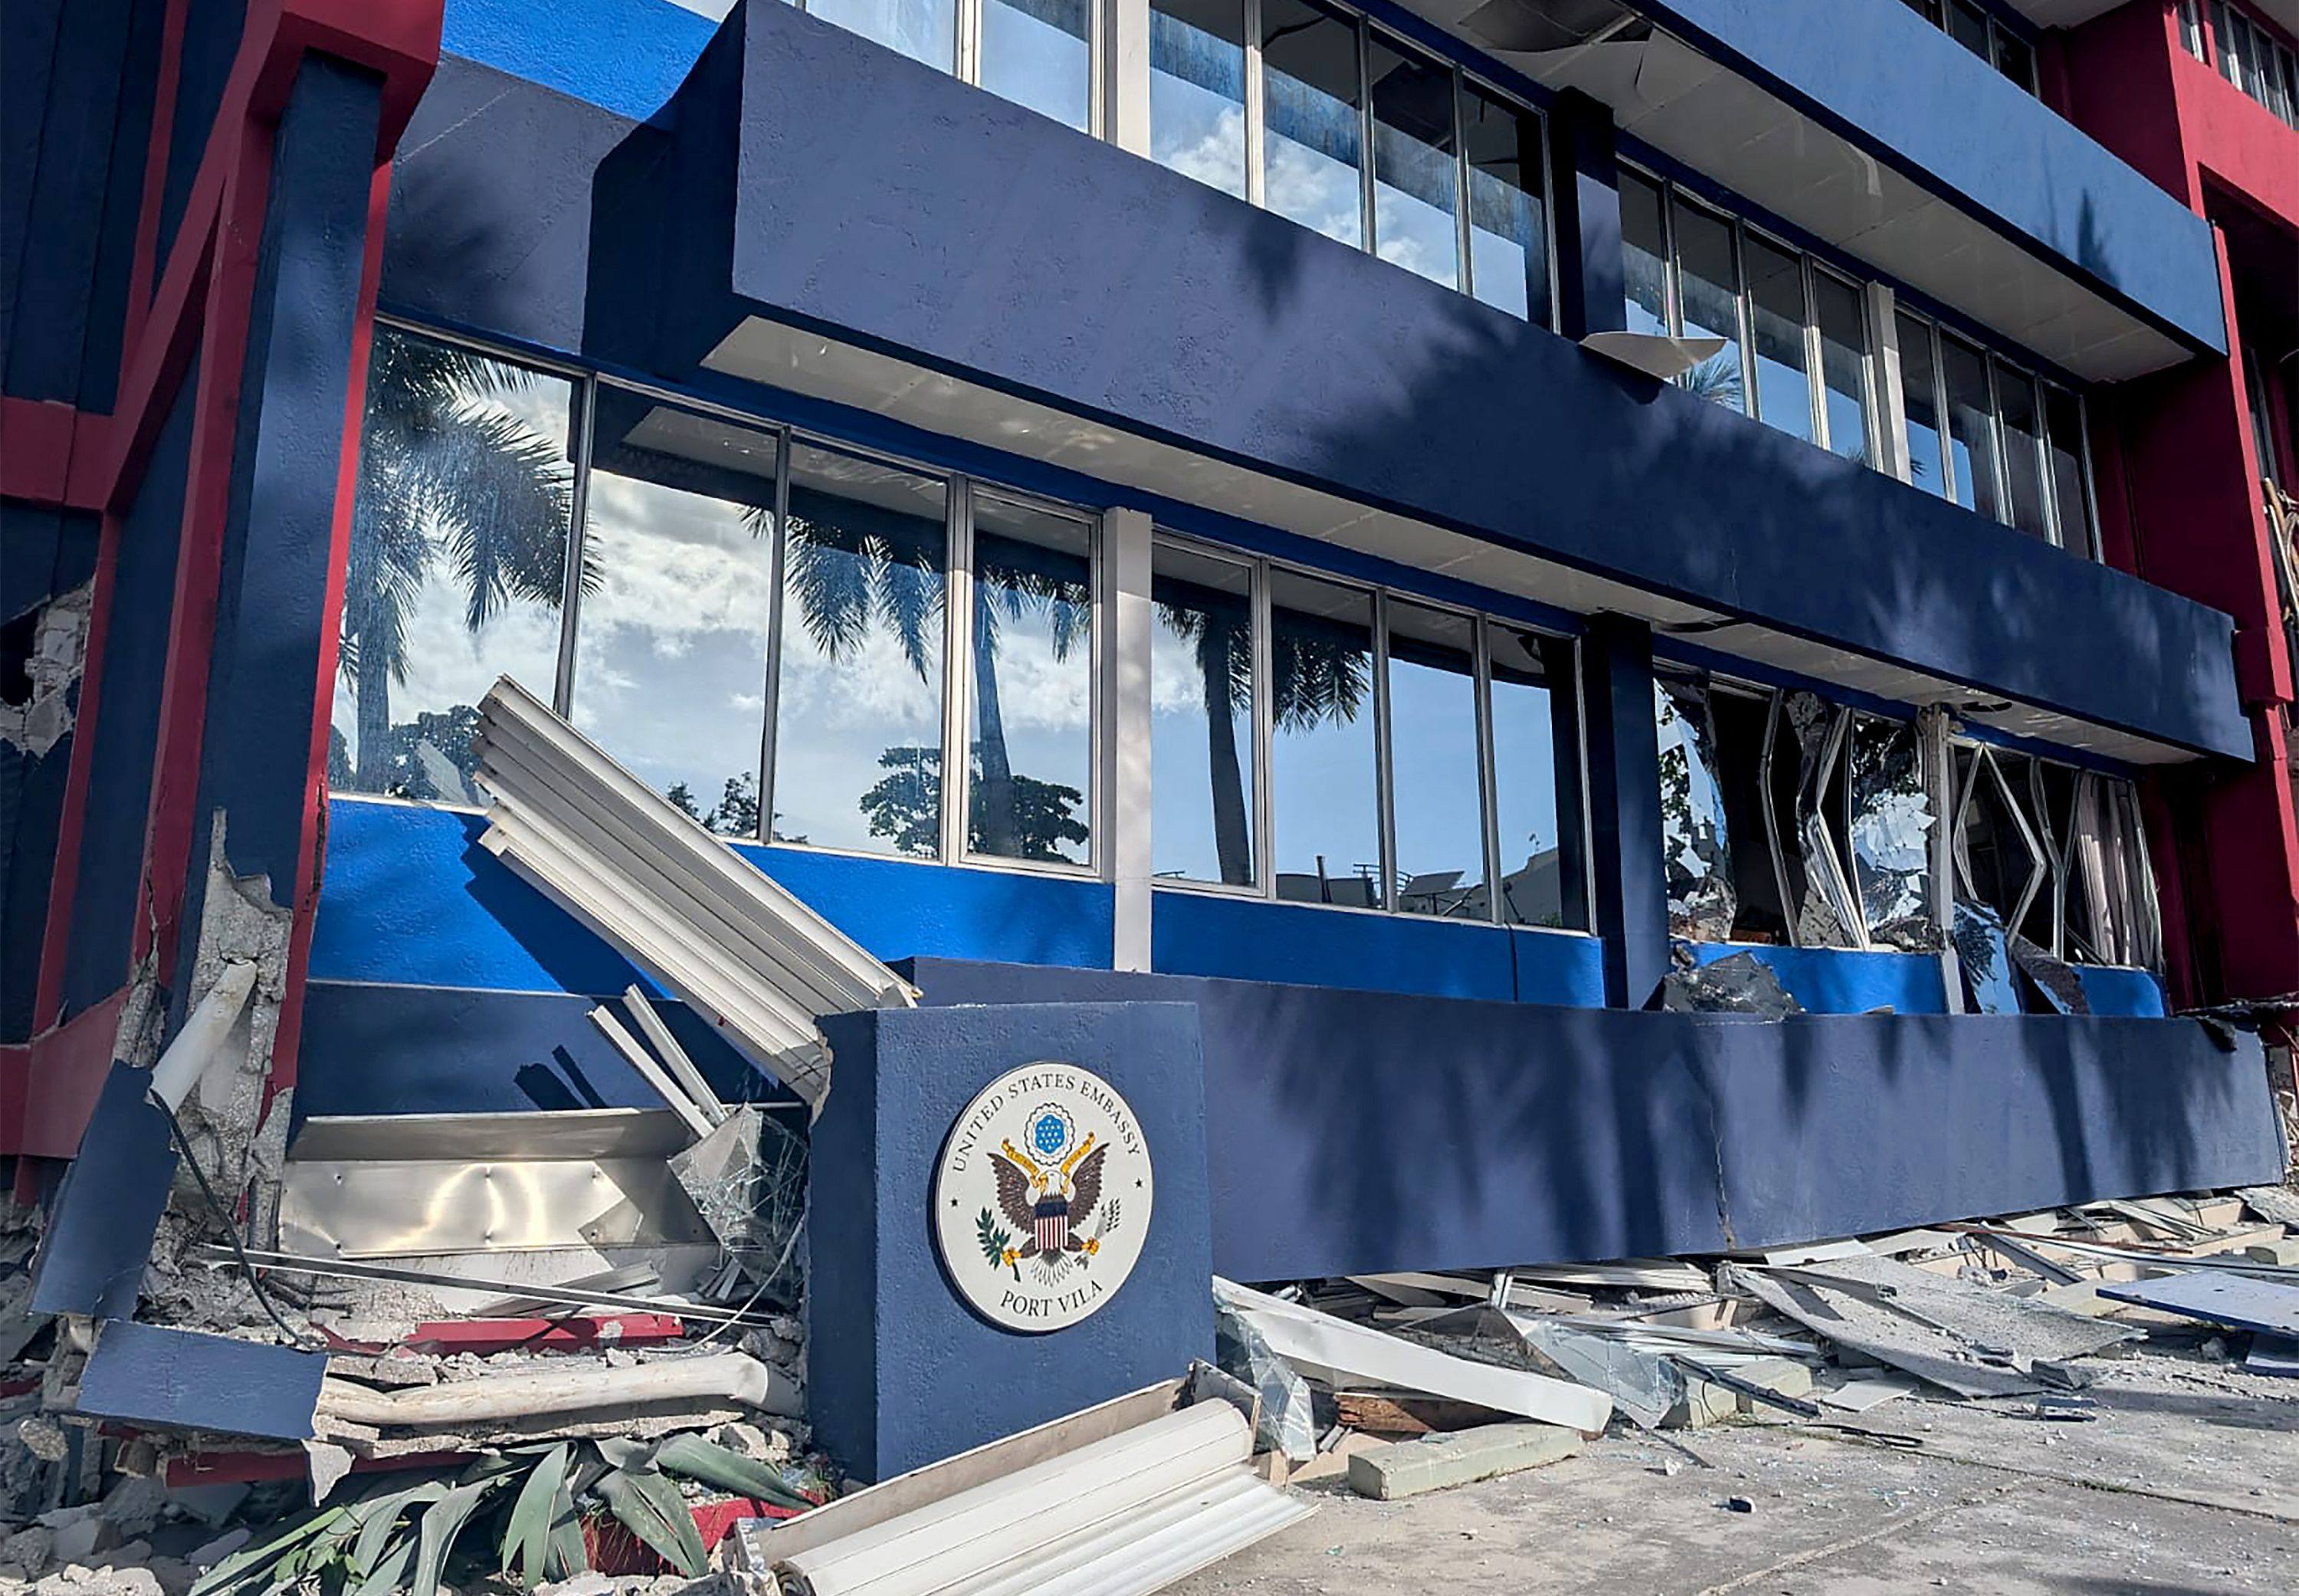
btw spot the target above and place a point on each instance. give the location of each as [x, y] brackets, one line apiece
[903, 1367]
[91, 1259]
[159, 1378]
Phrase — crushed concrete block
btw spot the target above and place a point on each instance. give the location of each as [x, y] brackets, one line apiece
[134, 1505]
[27, 1550]
[1432, 1462]
[1786, 1376]
[83, 1538]
[2285, 1251]
[1703, 1403]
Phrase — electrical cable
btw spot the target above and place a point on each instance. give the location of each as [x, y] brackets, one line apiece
[224, 1217]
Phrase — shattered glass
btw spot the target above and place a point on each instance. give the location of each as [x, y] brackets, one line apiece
[1739, 983]
[1697, 852]
[1240, 1350]
[747, 1178]
[1824, 919]
[1986, 958]
[1999, 858]
[1890, 831]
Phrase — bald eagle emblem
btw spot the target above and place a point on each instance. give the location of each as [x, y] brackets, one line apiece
[1049, 1193]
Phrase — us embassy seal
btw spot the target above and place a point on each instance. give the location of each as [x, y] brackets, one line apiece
[1041, 1197]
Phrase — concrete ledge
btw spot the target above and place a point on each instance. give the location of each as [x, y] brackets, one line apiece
[1432, 1462]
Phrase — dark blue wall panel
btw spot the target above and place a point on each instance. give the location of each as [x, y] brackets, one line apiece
[1202, 933]
[1829, 980]
[1553, 1134]
[432, 1050]
[127, 714]
[2133, 992]
[211, 30]
[1879, 74]
[148, 1377]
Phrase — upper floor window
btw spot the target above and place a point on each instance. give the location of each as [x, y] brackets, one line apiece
[1987, 36]
[1983, 433]
[1317, 742]
[1796, 351]
[2249, 55]
[1036, 52]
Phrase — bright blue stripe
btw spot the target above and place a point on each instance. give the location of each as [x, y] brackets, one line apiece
[626, 55]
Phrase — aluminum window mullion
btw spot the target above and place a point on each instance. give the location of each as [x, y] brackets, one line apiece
[1265, 819]
[1488, 779]
[1815, 375]
[1944, 424]
[1744, 299]
[1256, 102]
[958, 663]
[777, 556]
[1384, 762]
[965, 52]
[570, 591]
[1466, 282]
[1365, 203]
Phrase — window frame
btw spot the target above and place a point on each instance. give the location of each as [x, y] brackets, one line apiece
[1263, 889]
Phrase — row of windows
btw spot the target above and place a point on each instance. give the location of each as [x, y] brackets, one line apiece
[1312, 741]
[1796, 334]
[2248, 55]
[1984, 36]
[1985, 434]
[787, 637]
[1292, 104]
[1980, 432]
[1321, 742]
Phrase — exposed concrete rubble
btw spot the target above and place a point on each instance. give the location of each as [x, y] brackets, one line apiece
[52, 668]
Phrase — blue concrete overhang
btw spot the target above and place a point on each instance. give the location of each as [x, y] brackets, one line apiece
[818, 213]
[1867, 126]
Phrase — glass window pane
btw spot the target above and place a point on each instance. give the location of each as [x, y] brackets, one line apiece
[1971, 430]
[924, 31]
[1322, 764]
[1843, 364]
[2064, 421]
[670, 661]
[1697, 852]
[1197, 90]
[2222, 26]
[1776, 316]
[1030, 705]
[1890, 832]
[1508, 232]
[1967, 24]
[457, 561]
[1201, 758]
[1526, 766]
[1432, 741]
[1927, 9]
[1312, 137]
[1709, 282]
[1416, 167]
[1919, 405]
[1644, 249]
[858, 737]
[1040, 54]
[2015, 409]
[2015, 59]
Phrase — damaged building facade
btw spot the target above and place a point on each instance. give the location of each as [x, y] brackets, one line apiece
[1408, 535]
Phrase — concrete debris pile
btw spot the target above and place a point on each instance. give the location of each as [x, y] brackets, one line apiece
[1404, 1383]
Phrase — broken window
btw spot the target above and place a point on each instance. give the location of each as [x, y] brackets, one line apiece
[457, 561]
[1788, 819]
[2057, 855]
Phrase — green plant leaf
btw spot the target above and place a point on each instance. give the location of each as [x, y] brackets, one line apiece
[637, 1499]
[443, 1521]
[243, 1564]
[385, 1578]
[638, 1457]
[527, 1532]
[570, 1554]
[722, 1468]
[375, 1532]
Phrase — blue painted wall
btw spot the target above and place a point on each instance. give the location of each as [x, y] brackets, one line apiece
[626, 55]
[128, 716]
[1880, 75]
[408, 897]
[1200, 933]
[76, 83]
[1831, 980]
[1553, 1134]
[211, 31]
[1243, 335]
